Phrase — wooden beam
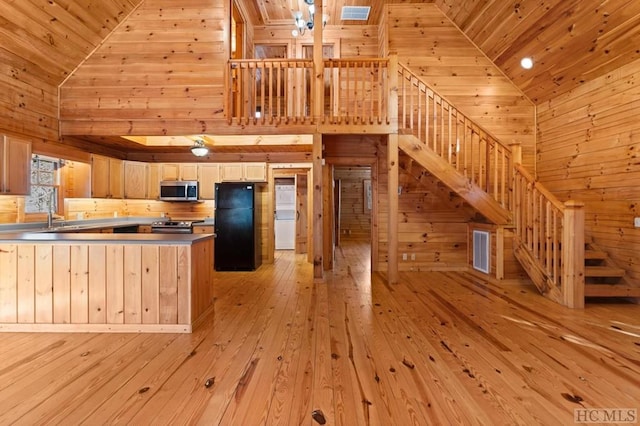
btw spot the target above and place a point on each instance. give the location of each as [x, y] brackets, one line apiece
[317, 206]
[393, 170]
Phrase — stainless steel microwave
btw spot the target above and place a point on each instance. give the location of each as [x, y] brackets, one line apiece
[179, 190]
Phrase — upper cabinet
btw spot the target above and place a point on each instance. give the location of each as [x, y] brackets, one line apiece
[241, 172]
[179, 171]
[106, 177]
[77, 179]
[15, 166]
[208, 175]
[135, 179]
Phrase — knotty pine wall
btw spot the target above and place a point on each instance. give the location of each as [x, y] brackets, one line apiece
[435, 49]
[162, 72]
[589, 150]
[349, 41]
[355, 219]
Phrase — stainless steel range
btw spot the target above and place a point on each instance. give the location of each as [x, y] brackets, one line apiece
[173, 226]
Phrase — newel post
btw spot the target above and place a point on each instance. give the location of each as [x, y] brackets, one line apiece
[573, 254]
[516, 152]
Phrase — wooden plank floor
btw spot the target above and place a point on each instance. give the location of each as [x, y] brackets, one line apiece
[437, 348]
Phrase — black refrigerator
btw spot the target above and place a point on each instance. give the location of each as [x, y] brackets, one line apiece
[237, 242]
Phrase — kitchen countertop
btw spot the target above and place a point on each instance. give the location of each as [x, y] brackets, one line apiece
[68, 226]
[67, 237]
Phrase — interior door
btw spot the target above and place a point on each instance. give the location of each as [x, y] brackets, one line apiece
[285, 214]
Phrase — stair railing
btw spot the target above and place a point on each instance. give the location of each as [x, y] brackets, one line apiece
[549, 239]
[469, 148]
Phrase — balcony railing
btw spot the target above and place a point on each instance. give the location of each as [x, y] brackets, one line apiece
[281, 91]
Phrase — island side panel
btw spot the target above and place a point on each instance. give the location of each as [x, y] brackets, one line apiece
[97, 284]
[61, 284]
[132, 284]
[79, 284]
[8, 283]
[201, 279]
[168, 285]
[150, 284]
[115, 284]
[26, 284]
[44, 287]
[184, 283]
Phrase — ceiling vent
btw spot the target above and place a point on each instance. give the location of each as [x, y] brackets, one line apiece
[355, 13]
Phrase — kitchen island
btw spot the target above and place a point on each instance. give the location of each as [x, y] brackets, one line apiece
[94, 282]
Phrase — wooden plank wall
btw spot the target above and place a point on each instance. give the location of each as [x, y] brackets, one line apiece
[355, 219]
[103, 208]
[446, 59]
[41, 44]
[350, 41]
[166, 64]
[588, 148]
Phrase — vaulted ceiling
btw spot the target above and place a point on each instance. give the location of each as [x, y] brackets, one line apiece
[570, 41]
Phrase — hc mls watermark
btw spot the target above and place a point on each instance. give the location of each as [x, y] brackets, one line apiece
[605, 415]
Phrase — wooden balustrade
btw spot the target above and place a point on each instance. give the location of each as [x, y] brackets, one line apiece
[270, 91]
[549, 240]
[276, 91]
[454, 137]
[356, 91]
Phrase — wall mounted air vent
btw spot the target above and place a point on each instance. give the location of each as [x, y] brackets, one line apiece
[355, 13]
[481, 251]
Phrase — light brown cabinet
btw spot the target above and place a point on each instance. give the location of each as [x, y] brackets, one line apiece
[243, 172]
[77, 179]
[153, 181]
[106, 177]
[15, 166]
[135, 179]
[203, 229]
[179, 171]
[208, 175]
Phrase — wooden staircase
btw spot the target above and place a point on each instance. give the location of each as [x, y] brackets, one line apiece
[602, 277]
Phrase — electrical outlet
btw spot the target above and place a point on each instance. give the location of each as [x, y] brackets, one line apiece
[413, 256]
[636, 222]
[404, 256]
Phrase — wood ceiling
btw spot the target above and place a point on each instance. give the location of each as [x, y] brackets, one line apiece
[570, 41]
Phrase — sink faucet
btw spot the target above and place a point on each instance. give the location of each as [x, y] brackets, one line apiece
[50, 211]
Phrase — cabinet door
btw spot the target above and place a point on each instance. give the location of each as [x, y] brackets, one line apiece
[189, 171]
[153, 189]
[116, 181]
[17, 166]
[255, 172]
[135, 180]
[99, 176]
[77, 179]
[208, 175]
[231, 172]
[169, 171]
[203, 229]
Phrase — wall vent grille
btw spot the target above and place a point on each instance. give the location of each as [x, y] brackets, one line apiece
[481, 251]
[355, 13]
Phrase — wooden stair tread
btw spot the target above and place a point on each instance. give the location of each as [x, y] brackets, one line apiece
[611, 290]
[603, 271]
[595, 254]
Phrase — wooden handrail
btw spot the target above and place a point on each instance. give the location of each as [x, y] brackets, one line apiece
[444, 129]
[549, 239]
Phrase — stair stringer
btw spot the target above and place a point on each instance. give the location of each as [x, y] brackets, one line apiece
[441, 169]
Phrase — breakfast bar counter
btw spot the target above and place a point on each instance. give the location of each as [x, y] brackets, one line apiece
[68, 282]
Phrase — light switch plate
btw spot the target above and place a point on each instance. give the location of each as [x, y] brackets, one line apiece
[636, 222]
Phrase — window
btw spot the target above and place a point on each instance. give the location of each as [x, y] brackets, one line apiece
[44, 185]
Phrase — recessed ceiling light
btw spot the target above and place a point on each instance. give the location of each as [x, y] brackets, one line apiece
[526, 63]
